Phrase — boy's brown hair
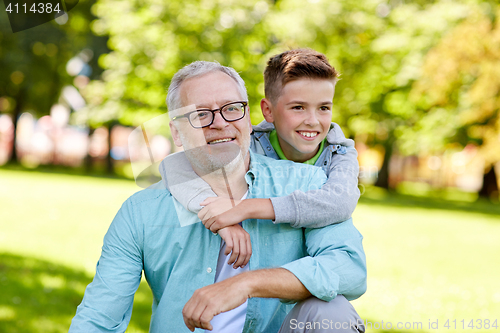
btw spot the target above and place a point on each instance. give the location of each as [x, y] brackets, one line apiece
[293, 65]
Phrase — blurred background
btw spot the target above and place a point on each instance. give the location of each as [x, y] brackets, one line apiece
[419, 93]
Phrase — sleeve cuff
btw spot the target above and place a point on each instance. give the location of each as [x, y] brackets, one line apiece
[285, 210]
[312, 276]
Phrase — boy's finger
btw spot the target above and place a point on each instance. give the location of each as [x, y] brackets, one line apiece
[208, 224]
[215, 226]
[207, 201]
[202, 213]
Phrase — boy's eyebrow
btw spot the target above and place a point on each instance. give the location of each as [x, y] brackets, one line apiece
[302, 102]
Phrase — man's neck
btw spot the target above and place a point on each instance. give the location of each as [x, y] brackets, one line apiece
[229, 182]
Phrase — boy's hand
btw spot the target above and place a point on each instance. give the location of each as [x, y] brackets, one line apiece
[238, 242]
[216, 206]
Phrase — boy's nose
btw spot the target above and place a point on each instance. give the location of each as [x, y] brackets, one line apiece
[311, 118]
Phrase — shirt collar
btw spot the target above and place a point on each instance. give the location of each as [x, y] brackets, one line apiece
[273, 139]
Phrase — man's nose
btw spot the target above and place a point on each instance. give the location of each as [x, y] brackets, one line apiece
[218, 122]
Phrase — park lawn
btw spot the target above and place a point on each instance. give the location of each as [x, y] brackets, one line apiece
[427, 260]
[428, 264]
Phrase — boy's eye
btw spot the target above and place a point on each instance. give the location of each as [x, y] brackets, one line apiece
[297, 107]
[325, 108]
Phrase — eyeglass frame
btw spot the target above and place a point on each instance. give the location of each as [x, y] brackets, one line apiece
[186, 115]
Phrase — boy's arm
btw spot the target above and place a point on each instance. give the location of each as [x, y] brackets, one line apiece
[185, 185]
[332, 203]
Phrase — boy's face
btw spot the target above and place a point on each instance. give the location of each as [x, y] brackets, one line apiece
[301, 115]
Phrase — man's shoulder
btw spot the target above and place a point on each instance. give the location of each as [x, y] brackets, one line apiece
[156, 191]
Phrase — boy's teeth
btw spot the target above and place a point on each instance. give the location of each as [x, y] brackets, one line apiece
[220, 140]
[309, 134]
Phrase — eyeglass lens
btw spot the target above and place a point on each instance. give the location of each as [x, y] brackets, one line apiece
[230, 112]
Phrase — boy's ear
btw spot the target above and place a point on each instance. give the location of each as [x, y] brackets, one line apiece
[265, 106]
[175, 134]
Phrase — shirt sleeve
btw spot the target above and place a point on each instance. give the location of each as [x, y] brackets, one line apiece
[183, 183]
[336, 264]
[108, 300]
[333, 203]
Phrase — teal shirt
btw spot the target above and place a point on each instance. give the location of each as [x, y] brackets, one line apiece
[146, 235]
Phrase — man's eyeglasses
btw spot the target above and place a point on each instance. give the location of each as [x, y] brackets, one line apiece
[205, 117]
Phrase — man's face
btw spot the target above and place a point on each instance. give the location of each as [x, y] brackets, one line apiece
[212, 147]
[301, 115]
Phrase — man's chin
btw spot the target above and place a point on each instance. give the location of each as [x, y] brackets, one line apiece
[211, 158]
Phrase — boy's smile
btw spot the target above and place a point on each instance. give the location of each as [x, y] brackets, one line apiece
[301, 115]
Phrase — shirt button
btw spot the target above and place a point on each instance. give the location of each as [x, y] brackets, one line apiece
[209, 270]
[269, 148]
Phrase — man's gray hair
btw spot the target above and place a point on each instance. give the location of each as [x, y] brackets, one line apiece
[195, 69]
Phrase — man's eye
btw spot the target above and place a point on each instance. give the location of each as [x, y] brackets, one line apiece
[201, 115]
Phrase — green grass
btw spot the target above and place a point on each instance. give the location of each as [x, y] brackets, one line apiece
[52, 226]
[427, 259]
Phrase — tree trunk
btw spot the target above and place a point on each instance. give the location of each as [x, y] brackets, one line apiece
[88, 161]
[15, 118]
[383, 173]
[490, 185]
[109, 160]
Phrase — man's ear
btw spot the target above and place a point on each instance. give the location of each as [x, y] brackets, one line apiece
[265, 106]
[175, 134]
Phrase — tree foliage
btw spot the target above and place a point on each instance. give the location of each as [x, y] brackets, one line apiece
[33, 61]
[460, 85]
[416, 76]
[160, 37]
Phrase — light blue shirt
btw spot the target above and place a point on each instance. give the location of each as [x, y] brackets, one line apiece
[146, 235]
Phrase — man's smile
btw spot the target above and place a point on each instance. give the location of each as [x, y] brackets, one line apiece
[222, 140]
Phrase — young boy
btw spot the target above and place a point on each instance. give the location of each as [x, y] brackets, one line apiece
[299, 88]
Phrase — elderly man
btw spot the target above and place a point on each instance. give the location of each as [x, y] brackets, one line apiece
[181, 259]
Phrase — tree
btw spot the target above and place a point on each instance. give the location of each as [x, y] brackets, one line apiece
[33, 61]
[159, 38]
[461, 82]
[379, 48]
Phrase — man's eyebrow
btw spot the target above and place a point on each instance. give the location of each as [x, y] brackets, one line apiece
[221, 103]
